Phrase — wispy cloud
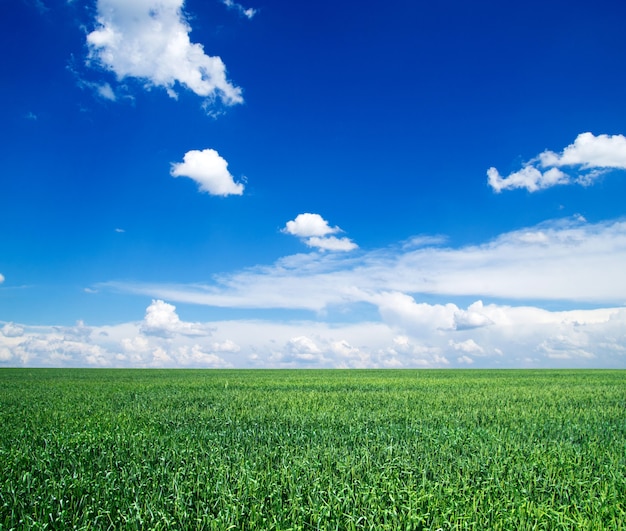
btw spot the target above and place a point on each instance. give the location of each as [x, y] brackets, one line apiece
[565, 260]
[149, 40]
[589, 157]
[246, 12]
[209, 170]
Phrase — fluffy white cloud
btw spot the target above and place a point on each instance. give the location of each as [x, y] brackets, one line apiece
[568, 260]
[528, 177]
[519, 336]
[162, 320]
[1, 278]
[468, 346]
[302, 349]
[315, 231]
[473, 317]
[590, 155]
[589, 151]
[209, 170]
[307, 225]
[149, 40]
[11, 330]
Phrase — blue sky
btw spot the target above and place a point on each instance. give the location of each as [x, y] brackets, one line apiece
[282, 184]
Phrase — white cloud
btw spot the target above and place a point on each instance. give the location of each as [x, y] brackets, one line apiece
[307, 225]
[105, 91]
[565, 260]
[302, 349]
[589, 151]
[331, 243]
[246, 12]
[149, 40]
[469, 346]
[473, 317]
[528, 177]
[423, 240]
[196, 355]
[209, 170]
[519, 337]
[161, 319]
[405, 313]
[315, 230]
[590, 156]
[11, 330]
[1, 278]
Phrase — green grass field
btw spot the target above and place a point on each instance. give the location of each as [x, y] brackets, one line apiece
[217, 449]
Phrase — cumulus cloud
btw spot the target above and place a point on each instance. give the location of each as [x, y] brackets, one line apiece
[589, 151]
[302, 349]
[197, 355]
[11, 330]
[569, 261]
[467, 346]
[246, 12]
[315, 231]
[1, 278]
[519, 336]
[589, 157]
[209, 170]
[149, 40]
[473, 317]
[306, 225]
[161, 319]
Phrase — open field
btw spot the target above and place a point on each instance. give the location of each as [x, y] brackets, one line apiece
[148, 449]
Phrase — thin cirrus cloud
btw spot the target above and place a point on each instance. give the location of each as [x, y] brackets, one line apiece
[149, 40]
[209, 170]
[315, 231]
[570, 261]
[590, 156]
[246, 12]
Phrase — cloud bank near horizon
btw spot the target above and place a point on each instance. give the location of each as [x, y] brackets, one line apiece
[570, 261]
[410, 335]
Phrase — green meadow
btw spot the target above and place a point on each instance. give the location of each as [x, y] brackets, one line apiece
[312, 449]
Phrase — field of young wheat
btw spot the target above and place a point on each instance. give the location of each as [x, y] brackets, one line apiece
[159, 449]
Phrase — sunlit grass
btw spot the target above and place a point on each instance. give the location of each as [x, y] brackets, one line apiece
[143, 449]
